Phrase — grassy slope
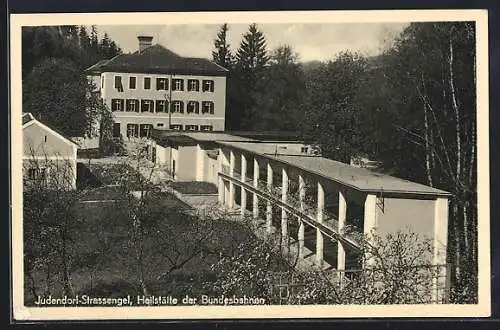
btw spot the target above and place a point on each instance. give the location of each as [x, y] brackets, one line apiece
[104, 261]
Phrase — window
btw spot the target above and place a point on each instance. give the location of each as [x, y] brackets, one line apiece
[132, 130]
[177, 106]
[304, 149]
[131, 82]
[161, 84]
[37, 173]
[191, 127]
[118, 83]
[159, 124]
[176, 127]
[161, 106]
[116, 130]
[145, 130]
[177, 84]
[102, 81]
[147, 106]
[193, 85]
[193, 106]
[206, 128]
[133, 105]
[207, 107]
[208, 85]
[147, 83]
[116, 105]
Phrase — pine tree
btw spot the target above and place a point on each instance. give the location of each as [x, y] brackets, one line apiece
[105, 46]
[252, 54]
[84, 38]
[222, 53]
[251, 59]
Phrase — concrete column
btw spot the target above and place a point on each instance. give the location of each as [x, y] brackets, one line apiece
[256, 185]
[300, 234]
[370, 222]
[342, 219]
[319, 234]
[220, 190]
[200, 163]
[226, 193]
[439, 246]
[300, 237]
[269, 209]
[220, 185]
[231, 184]
[243, 203]
[232, 162]
[284, 215]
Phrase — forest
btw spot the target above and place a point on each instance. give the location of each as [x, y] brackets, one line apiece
[412, 107]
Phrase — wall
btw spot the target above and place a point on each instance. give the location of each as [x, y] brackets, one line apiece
[399, 214]
[218, 97]
[161, 155]
[186, 163]
[41, 142]
[210, 170]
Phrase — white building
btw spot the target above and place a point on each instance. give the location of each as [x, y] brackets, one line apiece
[293, 190]
[49, 158]
[156, 88]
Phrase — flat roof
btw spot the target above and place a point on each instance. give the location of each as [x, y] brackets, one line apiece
[215, 136]
[359, 178]
[184, 136]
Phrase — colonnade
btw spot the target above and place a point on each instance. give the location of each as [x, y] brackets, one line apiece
[227, 199]
[259, 191]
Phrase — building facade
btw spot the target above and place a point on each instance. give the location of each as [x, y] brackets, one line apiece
[317, 205]
[49, 158]
[156, 88]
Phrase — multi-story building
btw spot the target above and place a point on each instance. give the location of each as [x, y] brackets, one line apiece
[156, 88]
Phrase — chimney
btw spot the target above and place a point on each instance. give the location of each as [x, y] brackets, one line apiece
[144, 42]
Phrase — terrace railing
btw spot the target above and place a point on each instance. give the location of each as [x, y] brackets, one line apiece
[329, 221]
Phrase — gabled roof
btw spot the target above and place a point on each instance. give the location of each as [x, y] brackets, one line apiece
[158, 59]
[28, 120]
[27, 117]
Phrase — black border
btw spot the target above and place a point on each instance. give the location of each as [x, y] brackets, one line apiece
[65, 6]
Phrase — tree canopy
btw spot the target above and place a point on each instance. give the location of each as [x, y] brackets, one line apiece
[55, 88]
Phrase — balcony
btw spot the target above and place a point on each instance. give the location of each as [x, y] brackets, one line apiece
[306, 211]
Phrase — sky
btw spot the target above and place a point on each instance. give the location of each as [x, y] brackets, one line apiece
[310, 41]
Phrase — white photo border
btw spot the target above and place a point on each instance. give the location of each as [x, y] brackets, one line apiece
[481, 309]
